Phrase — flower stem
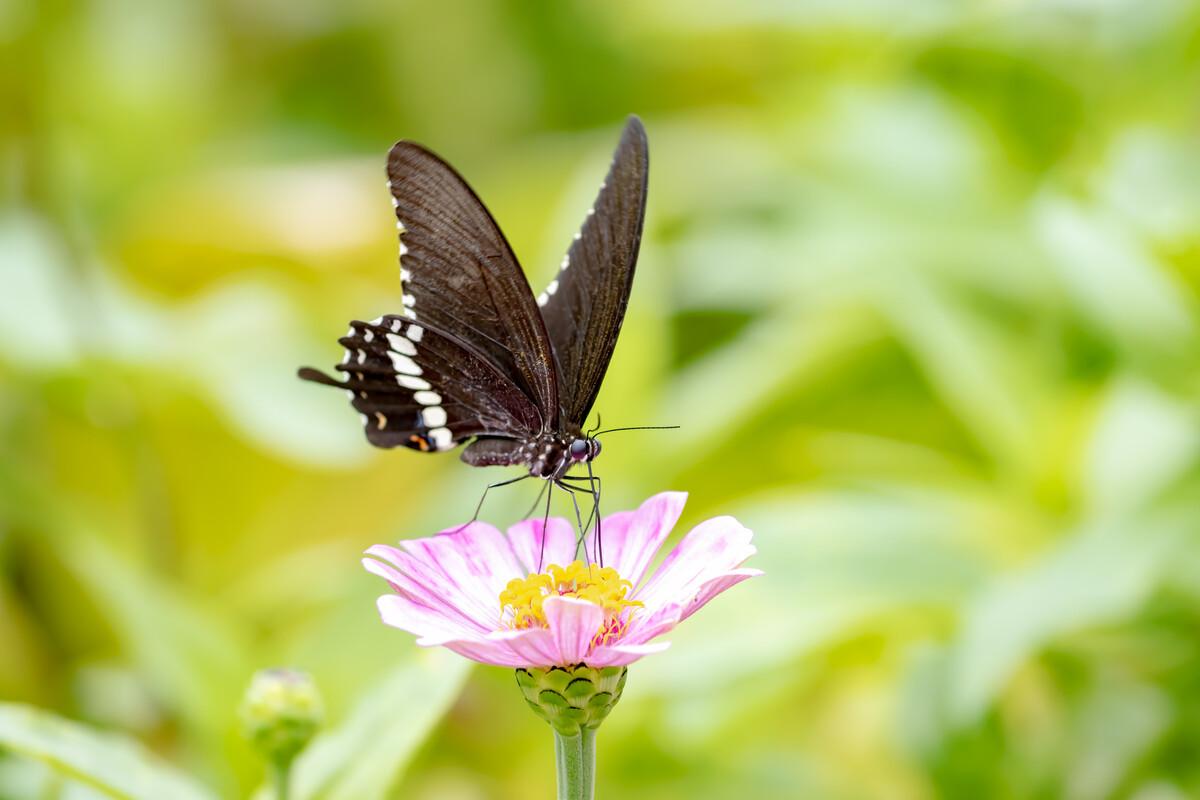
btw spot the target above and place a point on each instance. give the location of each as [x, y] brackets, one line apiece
[575, 757]
[282, 773]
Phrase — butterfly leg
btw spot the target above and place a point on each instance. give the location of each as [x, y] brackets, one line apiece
[580, 542]
[545, 522]
[537, 500]
[488, 488]
[593, 482]
[596, 511]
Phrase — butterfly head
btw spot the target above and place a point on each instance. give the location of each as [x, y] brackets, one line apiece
[584, 448]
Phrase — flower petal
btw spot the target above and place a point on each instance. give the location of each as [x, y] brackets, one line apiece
[620, 655]
[443, 599]
[573, 623]
[645, 627]
[432, 626]
[475, 561]
[715, 586]
[525, 538]
[530, 647]
[712, 549]
[630, 539]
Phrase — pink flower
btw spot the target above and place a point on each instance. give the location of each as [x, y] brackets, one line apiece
[474, 590]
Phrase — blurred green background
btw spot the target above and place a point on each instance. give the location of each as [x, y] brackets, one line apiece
[919, 284]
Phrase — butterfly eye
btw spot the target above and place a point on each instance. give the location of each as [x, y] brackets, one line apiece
[579, 449]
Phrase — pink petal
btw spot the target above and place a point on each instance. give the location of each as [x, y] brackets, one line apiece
[445, 600]
[531, 647]
[434, 587]
[475, 562]
[525, 538]
[573, 623]
[648, 624]
[712, 549]
[620, 655]
[630, 539]
[643, 628]
[494, 653]
[715, 586]
[432, 626]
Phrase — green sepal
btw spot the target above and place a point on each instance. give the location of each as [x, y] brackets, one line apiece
[571, 699]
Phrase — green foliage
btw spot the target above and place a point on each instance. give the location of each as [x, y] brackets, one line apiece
[117, 766]
[919, 282]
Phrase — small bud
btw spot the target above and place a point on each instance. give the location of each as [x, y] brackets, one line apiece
[572, 698]
[280, 713]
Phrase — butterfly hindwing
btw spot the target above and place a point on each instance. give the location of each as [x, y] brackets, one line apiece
[458, 273]
[584, 305]
[420, 388]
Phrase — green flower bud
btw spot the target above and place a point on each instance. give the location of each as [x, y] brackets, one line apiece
[280, 713]
[572, 698]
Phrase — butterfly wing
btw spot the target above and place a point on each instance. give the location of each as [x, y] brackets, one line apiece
[584, 306]
[459, 274]
[421, 388]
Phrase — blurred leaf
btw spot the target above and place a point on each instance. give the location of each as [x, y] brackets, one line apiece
[114, 764]
[1143, 440]
[195, 660]
[1115, 280]
[365, 756]
[969, 366]
[1097, 575]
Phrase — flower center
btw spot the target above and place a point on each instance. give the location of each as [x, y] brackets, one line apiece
[521, 601]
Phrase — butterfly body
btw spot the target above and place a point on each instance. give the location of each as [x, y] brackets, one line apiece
[474, 357]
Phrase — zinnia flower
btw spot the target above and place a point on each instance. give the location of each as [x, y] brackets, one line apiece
[479, 593]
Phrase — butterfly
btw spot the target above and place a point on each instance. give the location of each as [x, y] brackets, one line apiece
[474, 357]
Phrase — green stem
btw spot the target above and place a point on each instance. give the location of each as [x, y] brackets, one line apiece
[282, 775]
[575, 757]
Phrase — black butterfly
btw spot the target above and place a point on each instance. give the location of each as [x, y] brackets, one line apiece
[474, 356]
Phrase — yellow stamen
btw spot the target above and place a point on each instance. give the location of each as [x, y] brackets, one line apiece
[521, 601]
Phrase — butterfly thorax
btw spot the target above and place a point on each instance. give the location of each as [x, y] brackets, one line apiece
[552, 453]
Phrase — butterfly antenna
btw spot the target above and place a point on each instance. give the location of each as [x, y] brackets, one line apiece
[638, 428]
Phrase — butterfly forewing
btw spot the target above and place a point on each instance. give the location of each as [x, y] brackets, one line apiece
[423, 389]
[473, 356]
[459, 274]
[584, 305]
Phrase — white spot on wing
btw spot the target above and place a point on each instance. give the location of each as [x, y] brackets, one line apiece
[369, 336]
[434, 416]
[553, 287]
[401, 345]
[405, 275]
[381, 420]
[409, 300]
[403, 364]
[542, 299]
[415, 332]
[409, 382]
[397, 325]
[428, 398]
[441, 438]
